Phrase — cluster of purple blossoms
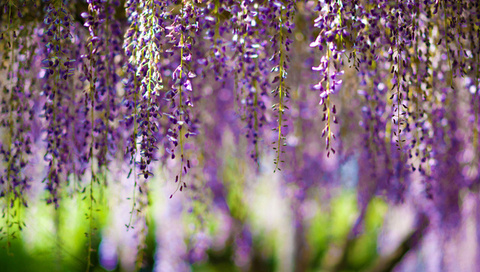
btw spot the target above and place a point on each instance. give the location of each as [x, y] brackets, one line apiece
[16, 118]
[252, 69]
[331, 36]
[93, 85]
[280, 17]
[57, 67]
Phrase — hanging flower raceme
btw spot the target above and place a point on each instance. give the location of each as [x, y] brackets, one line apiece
[149, 56]
[180, 96]
[252, 69]
[96, 99]
[93, 67]
[101, 64]
[145, 83]
[16, 118]
[58, 67]
[331, 35]
[110, 103]
[143, 86]
[131, 83]
[215, 27]
[281, 24]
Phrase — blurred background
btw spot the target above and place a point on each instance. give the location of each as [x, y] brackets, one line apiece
[256, 227]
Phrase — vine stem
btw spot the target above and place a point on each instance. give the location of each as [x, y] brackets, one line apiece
[135, 131]
[399, 102]
[180, 132]
[255, 116]
[280, 98]
[327, 101]
[181, 113]
[93, 178]
[10, 131]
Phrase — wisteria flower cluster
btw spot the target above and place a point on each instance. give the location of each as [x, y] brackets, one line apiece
[97, 91]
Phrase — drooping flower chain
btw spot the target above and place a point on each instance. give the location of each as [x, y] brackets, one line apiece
[280, 16]
[58, 67]
[329, 22]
